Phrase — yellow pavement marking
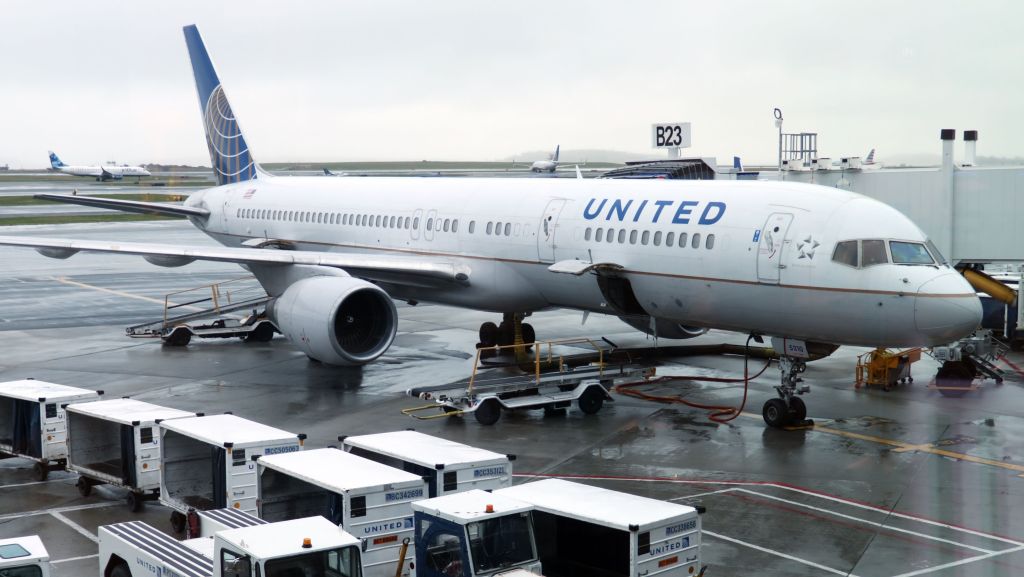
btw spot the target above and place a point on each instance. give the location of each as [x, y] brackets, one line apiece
[902, 447]
[68, 281]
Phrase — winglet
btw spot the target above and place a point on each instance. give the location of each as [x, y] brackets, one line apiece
[229, 152]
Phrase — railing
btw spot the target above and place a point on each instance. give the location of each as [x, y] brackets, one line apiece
[221, 295]
[539, 356]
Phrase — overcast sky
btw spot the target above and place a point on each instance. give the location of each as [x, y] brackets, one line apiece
[485, 80]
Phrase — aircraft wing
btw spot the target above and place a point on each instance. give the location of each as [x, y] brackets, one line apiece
[128, 205]
[411, 271]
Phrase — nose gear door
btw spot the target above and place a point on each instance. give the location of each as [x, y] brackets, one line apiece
[771, 246]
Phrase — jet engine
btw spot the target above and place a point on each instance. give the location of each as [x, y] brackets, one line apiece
[336, 320]
[663, 329]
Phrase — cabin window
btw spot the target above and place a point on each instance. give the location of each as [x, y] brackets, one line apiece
[682, 240]
[320, 218]
[407, 221]
[872, 252]
[611, 235]
[490, 228]
[709, 243]
[670, 239]
[455, 225]
[508, 229]
[599, 235]
[586, 234]
[846, 253]
[497, 228]
[909, 253]
[657, 238]
[472, 226]
[645, 237]
[379, 220]
[447, 224]
[416, 223]
[622, 236]
[695, 243]
[632, 236]
[357, 507]
[430, 224]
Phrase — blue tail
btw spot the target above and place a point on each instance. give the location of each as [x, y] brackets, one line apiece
[228, 151]
[555, 157]
[54, 161]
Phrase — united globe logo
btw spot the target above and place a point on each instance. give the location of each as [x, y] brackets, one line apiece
[230, 154]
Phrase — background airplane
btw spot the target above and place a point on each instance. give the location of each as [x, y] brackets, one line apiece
[815, 266]
[100, 172]
[547, 165]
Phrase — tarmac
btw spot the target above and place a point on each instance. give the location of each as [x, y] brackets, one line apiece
[892, 483]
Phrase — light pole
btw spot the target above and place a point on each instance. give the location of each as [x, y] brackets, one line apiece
[778, 124]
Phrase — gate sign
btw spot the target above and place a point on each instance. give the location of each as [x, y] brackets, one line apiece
[670, 135]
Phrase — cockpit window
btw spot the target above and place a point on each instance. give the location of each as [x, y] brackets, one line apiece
[846, 253]
[909, 253]
[935, 252]
[872, 252]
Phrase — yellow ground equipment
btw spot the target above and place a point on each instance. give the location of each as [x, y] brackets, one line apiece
[886, 368]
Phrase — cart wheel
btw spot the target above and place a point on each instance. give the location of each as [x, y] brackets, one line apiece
[263, 333]
[797, 409]
[40, 470]
[488, 412]
[910, 379]
[135, 501]
[121, 570]
[179, 337]
[178, 522]
[591, 401]
[84, 486]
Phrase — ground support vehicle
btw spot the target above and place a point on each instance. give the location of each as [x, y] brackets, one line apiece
[33, 424]
[586, 530]
[24, 557]
[117, 442]
[300, 547]
[371, 501]
[449, 467]
[207, 463]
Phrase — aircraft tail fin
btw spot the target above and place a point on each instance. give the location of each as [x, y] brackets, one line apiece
[55, 161]
[229, 153]
[555, 157]
[870, 159]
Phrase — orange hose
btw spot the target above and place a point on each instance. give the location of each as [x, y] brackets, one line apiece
[721, 414]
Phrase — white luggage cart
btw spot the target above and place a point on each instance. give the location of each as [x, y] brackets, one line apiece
[32, 422]
[117, 442]
[449, 467]
[371, 501]
[207, 463]
[586, 530]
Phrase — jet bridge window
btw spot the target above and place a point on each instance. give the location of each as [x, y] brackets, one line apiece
[846, 253]
[909, 253]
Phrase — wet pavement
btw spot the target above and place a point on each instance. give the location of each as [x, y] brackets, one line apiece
[898, 483]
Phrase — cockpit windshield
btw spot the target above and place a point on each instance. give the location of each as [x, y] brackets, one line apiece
[500, 542]
[909, 253]
[935, 252]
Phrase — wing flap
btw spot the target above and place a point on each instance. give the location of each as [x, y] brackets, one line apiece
[386, 268]
[135, 206]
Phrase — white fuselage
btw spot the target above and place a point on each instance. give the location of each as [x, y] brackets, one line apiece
[99, 171]
[757, 256]
[544, 166]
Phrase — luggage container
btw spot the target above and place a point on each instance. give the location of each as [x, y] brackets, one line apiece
[585, 530]
[116, 442]
[371, 501]
[24, 557]
[474, 533]
[449, 467]
[207, 463]
[32, 422]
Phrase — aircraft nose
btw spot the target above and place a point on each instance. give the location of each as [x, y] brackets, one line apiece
[946, 308]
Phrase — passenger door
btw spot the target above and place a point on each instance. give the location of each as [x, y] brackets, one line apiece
[546, 232]
[771, 247]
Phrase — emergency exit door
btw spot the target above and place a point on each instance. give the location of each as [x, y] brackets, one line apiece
[771, 246]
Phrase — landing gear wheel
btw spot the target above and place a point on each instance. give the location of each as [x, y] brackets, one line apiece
[84, 486]
[177, 523]
[135, 501]
[40, 471]
[506, 334]
[263, 333]
[797, 410]
[591, 401]
[776, 413]
[529, 335]
[954, 378]
[179, 337]
[488, 412]
[488, 334]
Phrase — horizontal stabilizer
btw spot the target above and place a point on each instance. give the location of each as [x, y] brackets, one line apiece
[128, 205]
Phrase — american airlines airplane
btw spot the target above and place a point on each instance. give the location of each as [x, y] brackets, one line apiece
[546, 165]
[101, 172]
[814, 267]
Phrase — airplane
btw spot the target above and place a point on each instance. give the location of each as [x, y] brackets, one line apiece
[101, 172]
[546, 165]
[869, 160]
[813, 267]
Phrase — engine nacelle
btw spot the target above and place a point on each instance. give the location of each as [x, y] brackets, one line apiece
[664, 329]
[336, 320]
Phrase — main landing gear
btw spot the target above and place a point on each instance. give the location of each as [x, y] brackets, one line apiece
[788, 409]
[505, 334]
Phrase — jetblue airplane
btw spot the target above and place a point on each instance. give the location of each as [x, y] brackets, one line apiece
[101, 172]
[815, 267]
[546, 165]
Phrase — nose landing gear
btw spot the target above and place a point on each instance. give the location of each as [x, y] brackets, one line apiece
[788, 409]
